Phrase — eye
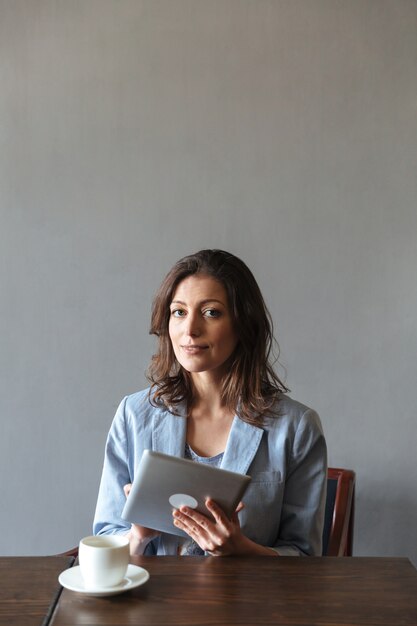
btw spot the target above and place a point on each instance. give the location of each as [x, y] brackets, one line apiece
[177, 313]
[212, 313]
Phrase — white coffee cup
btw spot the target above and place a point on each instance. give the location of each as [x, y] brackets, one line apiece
[103, 560]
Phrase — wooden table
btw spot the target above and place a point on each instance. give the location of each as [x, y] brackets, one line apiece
[29, 588]
[209, 591]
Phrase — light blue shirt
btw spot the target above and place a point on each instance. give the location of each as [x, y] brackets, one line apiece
[286, 458]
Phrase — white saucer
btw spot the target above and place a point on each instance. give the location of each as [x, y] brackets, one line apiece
[72, 579]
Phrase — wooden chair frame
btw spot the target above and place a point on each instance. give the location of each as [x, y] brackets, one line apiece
[341, 532]
[73, 552]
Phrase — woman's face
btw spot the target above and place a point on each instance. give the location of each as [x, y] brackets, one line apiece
[200, 325]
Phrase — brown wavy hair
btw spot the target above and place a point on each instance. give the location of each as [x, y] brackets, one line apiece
[251, 386]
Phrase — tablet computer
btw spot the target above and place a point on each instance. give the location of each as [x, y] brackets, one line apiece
[164, 482]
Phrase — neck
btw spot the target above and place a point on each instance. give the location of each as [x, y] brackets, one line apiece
[207, 394]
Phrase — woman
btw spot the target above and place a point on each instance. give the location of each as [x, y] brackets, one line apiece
[215, 398]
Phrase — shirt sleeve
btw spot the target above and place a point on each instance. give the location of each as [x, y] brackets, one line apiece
[115, 475]
[302, 516]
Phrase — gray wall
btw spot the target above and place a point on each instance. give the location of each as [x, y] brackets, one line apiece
[134, 132]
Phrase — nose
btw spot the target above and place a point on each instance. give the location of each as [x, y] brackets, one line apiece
[192, 325]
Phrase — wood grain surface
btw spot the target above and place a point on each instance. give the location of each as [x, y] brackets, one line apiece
[209, 591]
[29, 589]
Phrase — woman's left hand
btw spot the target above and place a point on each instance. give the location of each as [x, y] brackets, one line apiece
[220, 537]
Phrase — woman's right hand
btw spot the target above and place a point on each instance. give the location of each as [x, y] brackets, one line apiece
[139, 536]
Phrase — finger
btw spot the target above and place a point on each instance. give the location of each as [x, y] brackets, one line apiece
[239, 507]
[217, 512]
[198, 527]
[127, 489]
[235, 516]
[192, 530]
[193, 519]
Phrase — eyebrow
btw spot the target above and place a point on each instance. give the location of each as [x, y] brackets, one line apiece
[202, 301]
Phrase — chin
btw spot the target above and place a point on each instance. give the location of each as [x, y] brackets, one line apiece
[192, 366]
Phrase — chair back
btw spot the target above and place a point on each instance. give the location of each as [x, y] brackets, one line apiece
[339, 514]
[73, 552]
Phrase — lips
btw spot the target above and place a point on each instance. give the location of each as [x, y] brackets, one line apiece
[193, 349]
